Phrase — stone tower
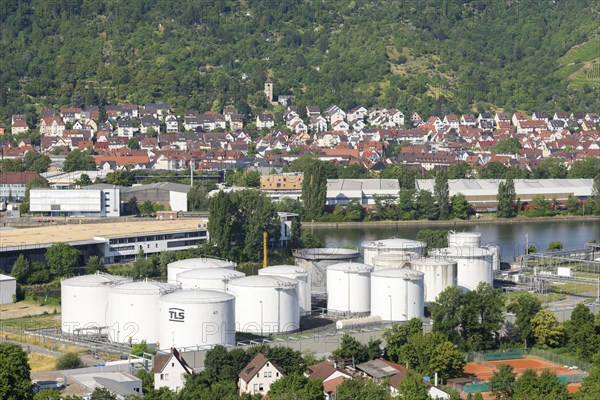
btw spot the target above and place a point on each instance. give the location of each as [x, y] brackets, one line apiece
[269, 90]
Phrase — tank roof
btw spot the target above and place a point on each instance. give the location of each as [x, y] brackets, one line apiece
[462, 252]
[210, 273]
[404, 273]
[432, 261]
[395, 255]
[144, 287]
[284, 269]
[394, 243]
[474, 234]
[97, 279]
[350, 267]
[201, 262]
[263, 281]
[197, 296]
[327, 253]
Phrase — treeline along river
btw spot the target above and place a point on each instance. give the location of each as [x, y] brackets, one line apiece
[510, 237]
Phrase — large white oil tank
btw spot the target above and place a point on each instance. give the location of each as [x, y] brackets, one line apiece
[392, 245]
[474, 265]
[458, 239]
[266, 304]
[439, 274]
[194, 318]
[180, 266]
[349, 288]
[393, 260]
[132, 311]
[397, 294]
[297, 273]
[84, 301]
[210, 279]
[316, 260]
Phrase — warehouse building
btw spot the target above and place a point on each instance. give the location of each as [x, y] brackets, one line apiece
[8, 289]
[76, 202]
[12, 185]
[114, 242]
[343, 191]
[481, 193]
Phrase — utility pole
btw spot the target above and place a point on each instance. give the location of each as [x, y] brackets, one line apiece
[265, 237]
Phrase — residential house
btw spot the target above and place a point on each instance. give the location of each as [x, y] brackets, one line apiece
[313, 111]
[125, 128]
[518, 117]
[170, 370]
[19, 125]
[171, 123]
[451, 121]
[211, 121]
[258, 376]
[147, 123]
[331, 376]
[334, 113]
[540, 116]
[526, 127]
[70, 114]
[319, 124]
[561, 116]
[502, 118]
[52, 126]
[340, 126]
[236, 122]
[468, 120]
[265, 121]
[396, 116]
[157, 110]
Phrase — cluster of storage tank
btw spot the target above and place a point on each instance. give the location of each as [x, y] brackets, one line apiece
[205, 302]
[396, 281]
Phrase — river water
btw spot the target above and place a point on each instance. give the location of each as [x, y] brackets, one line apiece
[510, 237]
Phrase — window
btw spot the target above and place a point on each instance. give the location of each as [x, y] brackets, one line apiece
[276, 374]
[261, 387]
[256, 387]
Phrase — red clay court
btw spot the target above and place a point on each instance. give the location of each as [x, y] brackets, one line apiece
[485, 369]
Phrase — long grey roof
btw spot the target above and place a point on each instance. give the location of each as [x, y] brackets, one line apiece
[579, 187]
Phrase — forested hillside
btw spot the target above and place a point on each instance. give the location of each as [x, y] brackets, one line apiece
[433, 56]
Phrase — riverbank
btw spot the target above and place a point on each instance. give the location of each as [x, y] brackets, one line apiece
[454, 222]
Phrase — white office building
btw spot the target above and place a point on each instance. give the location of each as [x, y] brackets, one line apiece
[104, 202]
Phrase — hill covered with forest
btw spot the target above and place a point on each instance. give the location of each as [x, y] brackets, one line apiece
[432, 56]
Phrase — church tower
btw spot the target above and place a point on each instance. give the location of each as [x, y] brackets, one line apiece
[269, 90]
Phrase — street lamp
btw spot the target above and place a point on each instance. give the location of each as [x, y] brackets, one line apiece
[390, 297]
[261, 317]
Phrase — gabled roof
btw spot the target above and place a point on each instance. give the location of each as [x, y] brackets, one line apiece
[323, 370]
[254, 367]
[161, 361]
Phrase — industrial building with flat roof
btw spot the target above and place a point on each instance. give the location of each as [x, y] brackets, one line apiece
[343, 191]
[114, 242]
[483, 192]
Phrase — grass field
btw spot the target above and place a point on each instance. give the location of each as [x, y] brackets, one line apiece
[32, 323]
[581, 64]
[584, 52]
[41, 362]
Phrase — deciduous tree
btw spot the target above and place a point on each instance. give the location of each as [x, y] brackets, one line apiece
[15, 380]
[62, 259]
[546, 329]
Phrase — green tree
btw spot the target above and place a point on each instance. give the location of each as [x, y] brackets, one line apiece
[573, 205]
[102, 394]
[355, 389]
[550, 168]
[432, 353]
[146, 208]
[460, 206]
[314, 190]
[502, 382]
[585, 168]
[94, 264]
[525, 307]
[198, 199]
[506, 146]
[220, 223]
[165, 258]
[544, 386]
[413, 387]
[48, 394]
[426, 207]
[296, 233]
[21, 270]
[120, 178]
[434, 238]
[351, 351]
[84, 180]
[39, 273]
[15, 380]
[311, 241]
[591, 384]
[79, 160]
[69, 361]
[441, 193]
[546, 329]
[506, 199]
[580, 331]
[397, 336]
[133, 143]
[555, 245]
[62, 259]
[296, 386]
[36, 162]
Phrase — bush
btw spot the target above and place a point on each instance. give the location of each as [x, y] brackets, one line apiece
[556, 245]
[69, 361]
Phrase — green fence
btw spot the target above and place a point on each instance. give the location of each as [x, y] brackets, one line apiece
[560, 359]
[476, 387]
[573, 378]
[495, 355]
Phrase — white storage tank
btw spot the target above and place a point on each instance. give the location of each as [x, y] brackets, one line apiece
[397, 294]
[84, 301]
[316, 260]
[439, 274]
[392, 245]
[266, 305]
[393, 260]
[194, 318]
[349, 288]
[210, 279]
[297, 273]
[458, 239]
[132, 311]
[474, 265]
[180, 266]
[495, 256]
